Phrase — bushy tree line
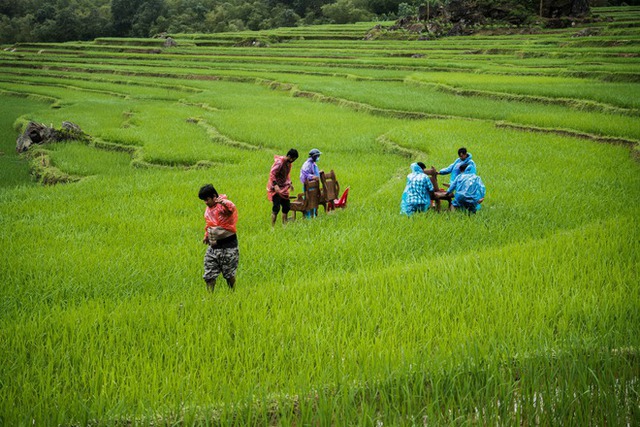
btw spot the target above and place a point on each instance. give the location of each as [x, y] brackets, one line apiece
[65, 20]
[54, 20]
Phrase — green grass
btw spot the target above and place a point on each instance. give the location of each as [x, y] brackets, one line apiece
[525, 313]
[13, 170]
[616, 94]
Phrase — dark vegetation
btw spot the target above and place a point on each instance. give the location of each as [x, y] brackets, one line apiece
[465, 17]
[67, 20]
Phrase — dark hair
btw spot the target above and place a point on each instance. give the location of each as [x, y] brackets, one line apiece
[462, 150]
[207, 191]
[293, 153]
[463, 167]
[422, 165]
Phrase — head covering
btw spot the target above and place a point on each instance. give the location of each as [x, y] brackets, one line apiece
[415, 168]
[315, 152]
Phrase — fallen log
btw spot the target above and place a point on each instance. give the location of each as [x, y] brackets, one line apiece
[38, 133]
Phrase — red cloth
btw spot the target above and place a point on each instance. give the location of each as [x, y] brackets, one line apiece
[279, 175]
[223, 215]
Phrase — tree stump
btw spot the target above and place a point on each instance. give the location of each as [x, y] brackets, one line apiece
[38, 133]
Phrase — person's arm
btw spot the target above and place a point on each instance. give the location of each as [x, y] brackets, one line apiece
[272, 175]
[205, 239]
[447, 170]
[307, 175]
[278, 189]
[288, 186]
[429, 186]
[471, 167]
[483, 190]
[226, 204]
[453, 185]
[304, 174]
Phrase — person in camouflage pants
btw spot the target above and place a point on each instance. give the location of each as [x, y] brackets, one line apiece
[222, 256]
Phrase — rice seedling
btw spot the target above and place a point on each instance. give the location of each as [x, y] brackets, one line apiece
[525, 313]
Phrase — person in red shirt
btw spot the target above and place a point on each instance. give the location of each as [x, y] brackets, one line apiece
[222, 256]
[280, 185]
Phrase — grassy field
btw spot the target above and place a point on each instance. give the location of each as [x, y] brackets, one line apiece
[527, 313]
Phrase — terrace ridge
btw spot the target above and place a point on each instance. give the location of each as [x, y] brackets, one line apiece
[572, 133]
[138, 161]
[389, 146]
[43, 170]
[577, 104]
[367, 108]
[63, 76]
[218, 138]
[42, 98]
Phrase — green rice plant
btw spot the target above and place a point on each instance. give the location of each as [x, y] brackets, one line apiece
[395, 327]
[83, 160]
[424, 99]
[524, 313]
[547, 86]
[129, 41]
[113, 89]
[13, 170]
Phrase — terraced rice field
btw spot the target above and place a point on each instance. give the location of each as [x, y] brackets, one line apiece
[525, 313]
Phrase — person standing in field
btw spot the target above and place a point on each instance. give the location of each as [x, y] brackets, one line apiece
[222, 256]
[417, 192]
[469, 190]
[464, 158]
[280, 185]
[310, 172]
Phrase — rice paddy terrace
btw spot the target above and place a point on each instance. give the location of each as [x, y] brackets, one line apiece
[525, 313]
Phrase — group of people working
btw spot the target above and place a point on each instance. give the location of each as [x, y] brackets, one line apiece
[280, 186]
[466, 188]
[221, 214]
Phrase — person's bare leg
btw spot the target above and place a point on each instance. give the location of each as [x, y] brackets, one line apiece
[284, 218]
[274, 216]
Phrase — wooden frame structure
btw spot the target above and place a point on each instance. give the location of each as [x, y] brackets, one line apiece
[440, 194]
[323, 192]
